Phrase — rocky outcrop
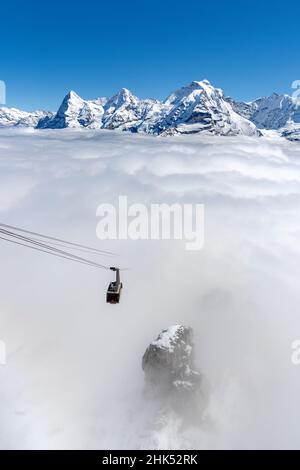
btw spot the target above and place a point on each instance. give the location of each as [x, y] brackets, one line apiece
[170, 374]
[292, 134]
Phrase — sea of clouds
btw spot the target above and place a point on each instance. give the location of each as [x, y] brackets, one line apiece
[73, 377]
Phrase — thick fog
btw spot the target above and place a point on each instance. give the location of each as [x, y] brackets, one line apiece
[73, 377]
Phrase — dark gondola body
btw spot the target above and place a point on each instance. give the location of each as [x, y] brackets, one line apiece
[113, 293]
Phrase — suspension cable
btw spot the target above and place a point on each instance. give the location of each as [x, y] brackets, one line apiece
[32, 243]
[48, 237]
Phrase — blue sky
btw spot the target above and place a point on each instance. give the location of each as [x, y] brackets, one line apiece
[248, 48]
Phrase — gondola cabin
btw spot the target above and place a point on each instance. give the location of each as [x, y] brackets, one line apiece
[114, 289]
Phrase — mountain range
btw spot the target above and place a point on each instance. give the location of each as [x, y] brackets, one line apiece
[197, 107]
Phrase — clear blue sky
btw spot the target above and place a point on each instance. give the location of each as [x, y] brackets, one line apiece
[248, 48]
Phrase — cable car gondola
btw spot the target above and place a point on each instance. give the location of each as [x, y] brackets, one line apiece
[114, 289]
[57, 247]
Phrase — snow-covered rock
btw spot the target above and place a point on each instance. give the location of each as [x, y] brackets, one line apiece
[243, 109]
[271, 112]
[196, 108]
[292, 134]
[12, 117]
[168, 362]
[201, 107]
[74, 112]
[170, 376]
[125, 111]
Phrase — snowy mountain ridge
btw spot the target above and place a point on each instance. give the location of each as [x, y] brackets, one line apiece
[275, 112]
[12, 117]
[197, 107]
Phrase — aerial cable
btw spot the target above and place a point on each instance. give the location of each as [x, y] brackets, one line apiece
[114, 288]
[50, 249]
[65, 245]
[53, 254]
[92, 249]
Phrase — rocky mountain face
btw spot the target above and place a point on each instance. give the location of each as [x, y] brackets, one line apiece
[273, 112]
[196, 108]
[170, 375]
[74, 112]
[292, 134]
[201, 107]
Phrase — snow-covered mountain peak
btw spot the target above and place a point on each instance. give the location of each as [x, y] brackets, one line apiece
[199, 107]
[182, 92]
[123, 97]
[72, 99]
[276, 111]
[203, 84]
[67, 113]
[194, 89]
[193, 108]
[74, 112]
[72, 95]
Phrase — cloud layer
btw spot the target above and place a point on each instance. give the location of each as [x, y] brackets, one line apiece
[73, 377]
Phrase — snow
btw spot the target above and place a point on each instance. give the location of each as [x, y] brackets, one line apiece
[197, 107]
[201, 107]
[198, 102]
[183, 383]
[167, 337]
[10, 117]
[75, 112]
[272, 112]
